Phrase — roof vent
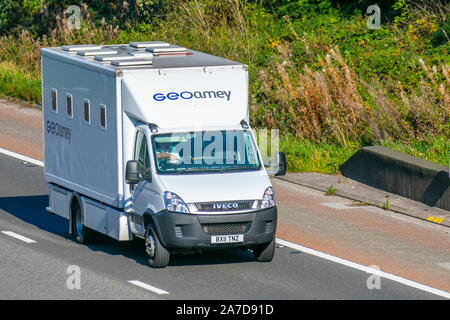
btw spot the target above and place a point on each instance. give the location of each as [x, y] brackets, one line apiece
[96, 52]
[141, 54]
[117, 57]
[133, 62]
[167, 50]
[75, 48]
[147, 44]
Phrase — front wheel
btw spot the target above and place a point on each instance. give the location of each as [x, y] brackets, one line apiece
[158, 256]
[265, 252]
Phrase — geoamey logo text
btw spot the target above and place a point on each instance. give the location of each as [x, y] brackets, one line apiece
[193, 95]
[58, 130]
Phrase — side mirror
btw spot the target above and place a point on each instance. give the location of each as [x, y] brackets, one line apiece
[132, 175]
[277, 168]
[280, 164]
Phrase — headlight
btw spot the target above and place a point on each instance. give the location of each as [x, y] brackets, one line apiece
[268, 199]
[174, 203]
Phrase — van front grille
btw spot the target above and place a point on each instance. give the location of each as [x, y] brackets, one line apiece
[225, 228]
[225, 206]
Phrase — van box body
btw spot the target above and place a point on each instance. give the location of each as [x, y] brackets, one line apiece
[73, 146]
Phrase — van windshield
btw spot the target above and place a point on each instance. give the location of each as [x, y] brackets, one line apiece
[205, 151]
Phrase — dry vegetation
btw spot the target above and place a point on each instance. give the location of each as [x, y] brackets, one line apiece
[335, 104]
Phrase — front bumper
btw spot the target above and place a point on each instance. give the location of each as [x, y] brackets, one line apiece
[194, 231]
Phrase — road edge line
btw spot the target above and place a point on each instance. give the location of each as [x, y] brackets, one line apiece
[21, 157]
[361, 267]
[18, 236]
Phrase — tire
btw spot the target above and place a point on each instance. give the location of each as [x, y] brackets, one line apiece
[265, 252]
[158, 256]
[81, 233]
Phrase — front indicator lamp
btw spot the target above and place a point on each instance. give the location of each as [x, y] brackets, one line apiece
[268, 199]
[174, 203]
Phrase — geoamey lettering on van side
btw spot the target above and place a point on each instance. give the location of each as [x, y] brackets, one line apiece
[207, 94]
[56, 129]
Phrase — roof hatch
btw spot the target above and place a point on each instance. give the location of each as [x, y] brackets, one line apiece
[141, 54]
[107, 58]
[103, 51]
[147, 44]
[167, 50]
[131, 62]
[86, 47]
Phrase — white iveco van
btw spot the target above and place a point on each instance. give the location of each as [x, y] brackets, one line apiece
[153, 140]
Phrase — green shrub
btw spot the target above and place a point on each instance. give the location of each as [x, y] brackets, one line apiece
[15, 83]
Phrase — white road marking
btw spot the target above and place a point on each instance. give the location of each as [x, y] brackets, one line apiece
[339, 205]
[18, 236]
[22, 157]
[148, 287]
[445, 265]
[364, 268]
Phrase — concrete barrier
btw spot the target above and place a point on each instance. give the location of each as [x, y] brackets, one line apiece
[401, 174]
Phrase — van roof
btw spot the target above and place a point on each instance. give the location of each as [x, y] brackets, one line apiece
[136, 56]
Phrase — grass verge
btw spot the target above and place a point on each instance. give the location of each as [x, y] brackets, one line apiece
[16, 83]
[308, 156]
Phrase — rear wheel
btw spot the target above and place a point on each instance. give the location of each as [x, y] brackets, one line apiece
[265, 252]
[158, 255]
[81, 233]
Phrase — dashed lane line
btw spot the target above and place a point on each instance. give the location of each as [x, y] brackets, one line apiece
[148, 287]
[18, 236]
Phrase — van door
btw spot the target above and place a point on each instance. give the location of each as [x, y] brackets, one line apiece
[146, 196]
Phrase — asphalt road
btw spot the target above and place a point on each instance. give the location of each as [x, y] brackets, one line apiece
[41, 269]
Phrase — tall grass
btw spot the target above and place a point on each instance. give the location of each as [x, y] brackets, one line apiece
[335, 104]
[18, 84]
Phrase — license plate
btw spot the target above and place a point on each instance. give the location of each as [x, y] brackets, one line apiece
[229, 238]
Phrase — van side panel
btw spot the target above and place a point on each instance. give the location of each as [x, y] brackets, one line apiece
[59, 201]
[94, 215]
[82, 155]
[106, 220]
[117, 225]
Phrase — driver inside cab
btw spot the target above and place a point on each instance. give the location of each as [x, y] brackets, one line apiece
[166, 150]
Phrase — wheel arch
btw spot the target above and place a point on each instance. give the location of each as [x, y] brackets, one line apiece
[149, 218]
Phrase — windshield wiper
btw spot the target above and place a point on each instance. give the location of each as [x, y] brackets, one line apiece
[180, 171]
[198, 170]
[221, 170]
[239, 168]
